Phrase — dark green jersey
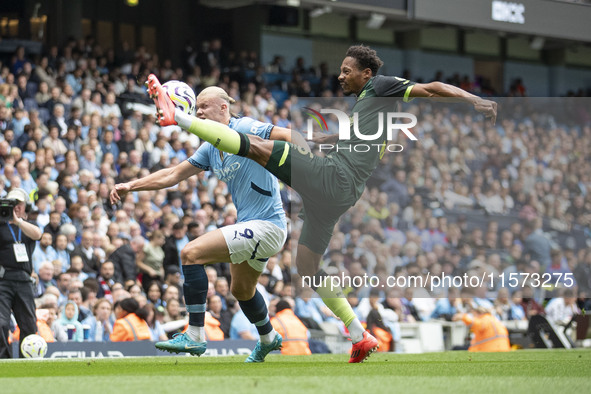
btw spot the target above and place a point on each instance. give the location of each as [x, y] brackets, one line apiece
[353, 155]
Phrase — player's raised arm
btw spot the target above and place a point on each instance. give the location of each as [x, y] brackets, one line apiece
[164, 178]
[443, 90]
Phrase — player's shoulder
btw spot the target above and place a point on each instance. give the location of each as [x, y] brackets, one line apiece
[247, 125]
[388, 80]
[385, 85]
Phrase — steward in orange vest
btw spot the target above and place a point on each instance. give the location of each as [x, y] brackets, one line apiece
[43, 328]
[131, 322]
[490, 335]
[213, 332]
[291, 328]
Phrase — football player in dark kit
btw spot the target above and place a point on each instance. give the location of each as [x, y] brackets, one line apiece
[328, 185]
[17, 242]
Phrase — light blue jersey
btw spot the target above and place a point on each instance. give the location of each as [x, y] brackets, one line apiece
[255, 191]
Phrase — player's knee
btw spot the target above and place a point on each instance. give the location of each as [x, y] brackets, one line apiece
[306, 268]
[191, 254]
[241, 291]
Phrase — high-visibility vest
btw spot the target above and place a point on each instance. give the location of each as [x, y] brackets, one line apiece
[293, 331]
[130, 328]
[490, 335]
[213, 332]
[384, 339]
[42, 329]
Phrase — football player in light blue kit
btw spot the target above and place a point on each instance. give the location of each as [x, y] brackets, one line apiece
[259, 233]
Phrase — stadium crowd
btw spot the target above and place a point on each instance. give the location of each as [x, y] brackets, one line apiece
[69, 135]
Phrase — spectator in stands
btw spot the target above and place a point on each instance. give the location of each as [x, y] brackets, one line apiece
[306, 308]
[508, 309]
[222, 289]
[61, 251]
[110, 107]
[582, 273]
[23, 169]
[410, 310]
[535, 243]
[174, 244]
[171, 293]
[86, 251]
[53, 141]
[150, 259]
[213, 332]
[44, 252]
[63, 283]
[172, 311]
[45, 278]
[156, 329]
[75, 294]
[57, 330]
[558, 268]
[105, 280]
[242, 328]
[53, 227]
[101, 321]
[224, 317]
[560, 310]
[529, 304]
[446, 308]
[131, 322]
[154, 293]
[173, 277]
[490, 335]
[69, 317]
[124, 258]
[293, 331]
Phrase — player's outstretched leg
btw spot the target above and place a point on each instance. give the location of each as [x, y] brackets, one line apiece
[256, 311]
[218, 134]
[195, 292]
[364, 343]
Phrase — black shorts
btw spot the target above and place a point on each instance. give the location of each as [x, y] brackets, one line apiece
[326, 191]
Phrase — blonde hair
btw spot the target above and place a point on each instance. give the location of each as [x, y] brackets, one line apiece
[216, 92]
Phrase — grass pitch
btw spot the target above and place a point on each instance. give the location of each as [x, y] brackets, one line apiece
[527, 371]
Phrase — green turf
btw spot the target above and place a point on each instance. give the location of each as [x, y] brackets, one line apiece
[535, 371]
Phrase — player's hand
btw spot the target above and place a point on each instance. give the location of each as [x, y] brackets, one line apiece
[488, 108]
[118, 192]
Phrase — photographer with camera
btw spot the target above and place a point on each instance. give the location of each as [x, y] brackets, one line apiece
[17, 242]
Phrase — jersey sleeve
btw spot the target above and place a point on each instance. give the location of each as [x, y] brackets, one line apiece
[252, 126]
[385, 86]
[200, 159]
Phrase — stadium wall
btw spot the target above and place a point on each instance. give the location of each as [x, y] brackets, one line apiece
[315, 51]
[535, 77]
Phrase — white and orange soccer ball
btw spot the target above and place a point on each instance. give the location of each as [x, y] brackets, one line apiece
[181, 95]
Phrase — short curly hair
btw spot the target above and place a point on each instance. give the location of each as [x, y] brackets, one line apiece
[366, 58]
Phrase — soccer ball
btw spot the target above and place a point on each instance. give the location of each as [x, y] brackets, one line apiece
[181, 95]
[34, 346]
